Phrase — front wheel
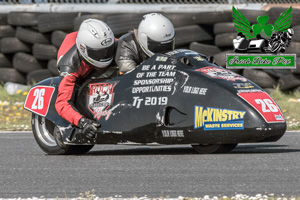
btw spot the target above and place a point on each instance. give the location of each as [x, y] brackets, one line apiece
[275, 47]
[43, 130]
[213, 148]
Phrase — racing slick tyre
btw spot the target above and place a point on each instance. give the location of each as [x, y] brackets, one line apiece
[289, 81]
[261, 78]
[38, 75]
[209, 18]
[224, 27]
[277, 72]
[205, 49]
[297, 69]
[23, 18]
[212, 17]
[57, 38]
[43, 130]
[122, 23]
[11, 75]
[56, 21]
[7, 31]
[52, 67]
[26, 63]
[44, 51]
[225, 39]
[213, 148]
[195, 34]
[296, 36]
[220, 58]
[293, 48]
[5, 61]
[13, 45]
[31, 36]
[78, 20]
[182, 19]
[3, 19]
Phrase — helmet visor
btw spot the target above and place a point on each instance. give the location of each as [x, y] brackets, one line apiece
[101, 55]
[161, 47]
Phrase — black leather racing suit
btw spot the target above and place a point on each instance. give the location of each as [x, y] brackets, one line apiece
[129, 54]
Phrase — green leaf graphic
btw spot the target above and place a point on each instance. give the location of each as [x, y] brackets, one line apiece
[262, 20]
[269, 29]
[257, 28]
[241, 23]
[284, 20]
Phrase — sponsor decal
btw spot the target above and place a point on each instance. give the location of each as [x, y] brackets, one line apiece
[198, 58]
[149, 101]
[249, 90]
[100, 99]
[194, 90]
[167, 35]
[262, 37]
[218, 119]
[270, 61]
[220, 73]
[279, 117]
[82, 48]
[155, 81]
[38, 99]
[146, 89]
[242, 85]
[154, 78]
[172, 133]
[180, 51]
[106, 42]
[263, 129]
[264, 105]
[161, 58]
[113, 132]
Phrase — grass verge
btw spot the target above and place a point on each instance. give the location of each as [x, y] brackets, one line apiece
[290, 106]
[14, 118]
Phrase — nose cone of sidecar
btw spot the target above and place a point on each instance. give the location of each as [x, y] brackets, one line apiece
[216, 105]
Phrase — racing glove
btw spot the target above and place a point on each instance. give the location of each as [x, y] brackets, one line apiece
[89, 127]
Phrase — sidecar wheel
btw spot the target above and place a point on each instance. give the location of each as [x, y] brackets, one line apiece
[43, 134]
[213, 148]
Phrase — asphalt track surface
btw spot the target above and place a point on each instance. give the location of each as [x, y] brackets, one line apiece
[168, 171]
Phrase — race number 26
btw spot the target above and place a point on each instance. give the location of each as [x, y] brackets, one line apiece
[38, 99]
[38, 102]
[267, 105]
[264, 105]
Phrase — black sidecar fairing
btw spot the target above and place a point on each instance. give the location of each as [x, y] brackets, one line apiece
[179, 98]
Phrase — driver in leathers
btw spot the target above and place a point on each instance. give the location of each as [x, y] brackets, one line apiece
[92, 47]
[155, 34]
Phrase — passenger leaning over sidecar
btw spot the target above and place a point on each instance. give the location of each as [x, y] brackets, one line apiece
[155, 34]
[92, 47]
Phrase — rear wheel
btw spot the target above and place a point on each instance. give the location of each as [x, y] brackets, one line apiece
[213, 148]
[43, 130]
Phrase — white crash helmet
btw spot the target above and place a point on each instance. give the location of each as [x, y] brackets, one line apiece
[156, 34]
[290, 32]
[95, 42]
